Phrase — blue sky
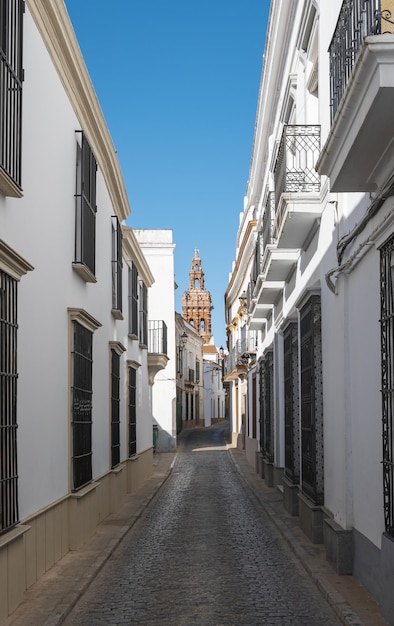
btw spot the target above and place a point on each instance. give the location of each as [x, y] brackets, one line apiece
[178, 84]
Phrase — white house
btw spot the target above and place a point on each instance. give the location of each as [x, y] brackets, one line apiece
[190, 375]
[214, 394]
[75, 370]
[158, 249]
[319, 215]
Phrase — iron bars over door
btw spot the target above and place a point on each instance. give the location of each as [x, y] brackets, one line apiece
[387, 345]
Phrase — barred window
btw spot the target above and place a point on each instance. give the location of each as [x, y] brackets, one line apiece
[133, 300]
[116, 265]
[387, 347]
[132, 411]
[311, 401]
[8, 396]
[11, 77]
[85, 210]
[115, 412]
[82, 360]
[143, 326]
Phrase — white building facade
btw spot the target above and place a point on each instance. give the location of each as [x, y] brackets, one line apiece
[76, 422]
[158, 249]
[312, 284]
[189, 374]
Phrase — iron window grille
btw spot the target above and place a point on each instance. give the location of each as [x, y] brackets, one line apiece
[133, 300]
[82, 391]
[197, 371]
[11, 78]
[266, 374]
[9, 514]
[292, 435]
[387, 359]
[115, 409]
[117, 264]
[312, 447]
[85, 205]
[132, 409]
[143, 314]
[269, 220]
[357, 19]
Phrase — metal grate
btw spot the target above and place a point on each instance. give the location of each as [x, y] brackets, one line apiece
[143, 314]
[116, 264]
[8, 398]
[85, 214]
[267, 406]
[312, 401]
[132, 411]
[292, 437]
[82, 405]
[387, 346]
[11, 77]
[115, 412]
[133, 300]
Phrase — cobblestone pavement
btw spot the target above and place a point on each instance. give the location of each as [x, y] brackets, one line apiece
[204, 552]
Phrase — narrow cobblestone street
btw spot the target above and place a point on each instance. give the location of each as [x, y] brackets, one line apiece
[204, 552]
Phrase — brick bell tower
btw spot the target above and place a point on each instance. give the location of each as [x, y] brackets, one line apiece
[197, 301]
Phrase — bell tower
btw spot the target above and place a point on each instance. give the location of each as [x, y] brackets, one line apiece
[197, 301]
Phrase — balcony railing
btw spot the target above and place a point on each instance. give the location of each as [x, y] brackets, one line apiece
[248, 342]
[157, 338]
[269, 219]
[295, 166]
[357, 20]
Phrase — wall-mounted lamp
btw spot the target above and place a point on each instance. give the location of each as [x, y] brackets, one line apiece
[183, 340]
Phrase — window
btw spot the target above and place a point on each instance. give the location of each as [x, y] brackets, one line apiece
[312, 401]
[143, 327]
[292, 435]
[133, 300]
[85, 210]
[387, 343]
[132, 411]
[11, 77]
[266, 374]
[115, 408]
[8, 384]
[82, 360]
[116, 268]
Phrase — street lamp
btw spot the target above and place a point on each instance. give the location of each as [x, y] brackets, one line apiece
[183, 340]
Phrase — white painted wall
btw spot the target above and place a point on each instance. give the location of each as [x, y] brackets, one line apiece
[158, 248]
[40, 227]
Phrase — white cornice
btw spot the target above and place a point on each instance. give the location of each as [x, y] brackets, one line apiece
[56, 30]
[132, 252]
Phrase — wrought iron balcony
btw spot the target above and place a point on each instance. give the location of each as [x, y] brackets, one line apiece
[248, 342]
[357, 153]
[157, 337]
[297, 185]
[235, 363]
[157, 347]
[357, 20]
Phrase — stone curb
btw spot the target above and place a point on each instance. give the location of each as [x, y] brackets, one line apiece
[320, 572]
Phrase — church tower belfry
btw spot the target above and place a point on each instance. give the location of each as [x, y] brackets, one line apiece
[197, 301]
